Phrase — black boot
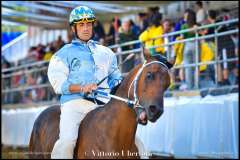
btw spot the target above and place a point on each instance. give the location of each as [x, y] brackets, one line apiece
[236, 81]
[220, 84]
[226, 82]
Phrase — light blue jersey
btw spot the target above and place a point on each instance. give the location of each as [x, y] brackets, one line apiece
[82, 63]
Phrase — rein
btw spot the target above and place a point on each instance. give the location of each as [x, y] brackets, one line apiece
[131, 103]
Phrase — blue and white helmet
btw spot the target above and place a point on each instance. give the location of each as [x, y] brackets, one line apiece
[81, 14]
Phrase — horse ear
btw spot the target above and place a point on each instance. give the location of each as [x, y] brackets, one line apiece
[171, 62]
[147, 55]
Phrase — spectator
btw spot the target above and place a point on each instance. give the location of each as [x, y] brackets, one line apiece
[201, 14]
[178, 26]
[32, 55]
[126, 35]
[60, 43]
[143, 21]
[178, 75]
[226, 50]
[136, 32]
[99, 33]
[235, 39]
[40, 52]
[189, 49]
[207, 72]
[149, 36]
[225, 14]
[167, 28]
[15, 83]
[35, 53]
[134, 28]
[153, 11]
[30, 95]
[41, 92]
[50, 50]
[111, 36]
[211, 19]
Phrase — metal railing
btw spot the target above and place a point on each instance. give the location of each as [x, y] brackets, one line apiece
[42, 65]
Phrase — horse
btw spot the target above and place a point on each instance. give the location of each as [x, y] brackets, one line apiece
[109, 131]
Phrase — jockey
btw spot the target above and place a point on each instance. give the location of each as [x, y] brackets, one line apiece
[74, 72]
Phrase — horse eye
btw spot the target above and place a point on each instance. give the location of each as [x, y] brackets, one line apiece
[150, 76]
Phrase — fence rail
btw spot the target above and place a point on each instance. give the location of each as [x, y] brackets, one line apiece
[36, 67]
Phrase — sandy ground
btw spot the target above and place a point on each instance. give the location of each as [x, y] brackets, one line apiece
[22, 153]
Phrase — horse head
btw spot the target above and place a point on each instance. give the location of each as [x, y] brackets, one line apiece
[147, 87]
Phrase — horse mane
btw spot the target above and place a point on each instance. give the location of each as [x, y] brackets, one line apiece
[123, 86]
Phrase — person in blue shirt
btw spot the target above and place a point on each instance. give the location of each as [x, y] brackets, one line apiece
[74, 72]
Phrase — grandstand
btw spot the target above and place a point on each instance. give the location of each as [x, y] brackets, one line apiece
[34, 30]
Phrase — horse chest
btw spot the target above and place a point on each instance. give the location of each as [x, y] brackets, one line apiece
[105, 139]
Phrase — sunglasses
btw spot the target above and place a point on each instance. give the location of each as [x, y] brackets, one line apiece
[85, 20]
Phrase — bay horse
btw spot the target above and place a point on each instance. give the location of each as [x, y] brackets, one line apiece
[109, 131]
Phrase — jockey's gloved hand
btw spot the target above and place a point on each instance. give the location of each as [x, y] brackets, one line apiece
[89, 88]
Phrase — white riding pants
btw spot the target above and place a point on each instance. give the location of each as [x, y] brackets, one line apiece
[72, 113]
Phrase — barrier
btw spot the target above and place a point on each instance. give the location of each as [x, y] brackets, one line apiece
[190, 127]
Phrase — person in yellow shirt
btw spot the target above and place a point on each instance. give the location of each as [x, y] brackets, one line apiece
[47, 56]
[154, 30]
[49, 52]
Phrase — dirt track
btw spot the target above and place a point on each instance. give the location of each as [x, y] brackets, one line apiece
[14, 153]
[22, 153]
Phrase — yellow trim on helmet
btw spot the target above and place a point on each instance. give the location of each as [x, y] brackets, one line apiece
[85, 20]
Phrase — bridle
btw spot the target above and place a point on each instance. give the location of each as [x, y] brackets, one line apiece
[135, 102]
[134, 83]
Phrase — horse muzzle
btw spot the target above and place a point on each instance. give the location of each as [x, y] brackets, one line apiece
[151, 113]
[141, 115]
[154, 112]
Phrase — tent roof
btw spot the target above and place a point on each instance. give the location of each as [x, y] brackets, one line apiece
[54, 14]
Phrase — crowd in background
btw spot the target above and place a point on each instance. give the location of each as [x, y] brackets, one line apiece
[150, 25]
[23, 78]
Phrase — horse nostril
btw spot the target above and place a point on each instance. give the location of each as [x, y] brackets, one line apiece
[153, 108]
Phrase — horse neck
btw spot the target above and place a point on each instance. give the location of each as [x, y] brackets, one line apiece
[123, 115]
[122, 91]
